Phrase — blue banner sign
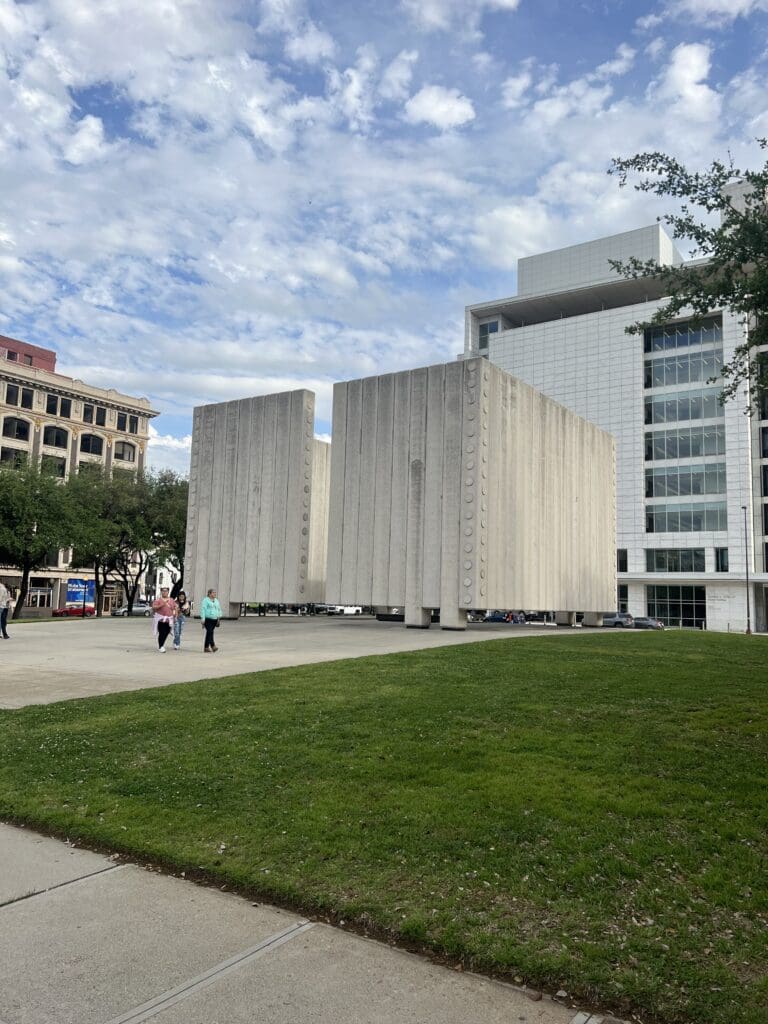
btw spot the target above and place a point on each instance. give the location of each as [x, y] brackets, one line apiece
[77, 590]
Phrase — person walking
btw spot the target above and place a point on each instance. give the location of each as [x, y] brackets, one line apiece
[210, 613]
[183, 609]
[164, 608]
[5, 603]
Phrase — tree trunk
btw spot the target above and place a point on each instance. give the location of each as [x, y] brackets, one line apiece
[23, 591]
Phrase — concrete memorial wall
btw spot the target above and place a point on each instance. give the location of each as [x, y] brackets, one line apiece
[457, 486]
[258, 502]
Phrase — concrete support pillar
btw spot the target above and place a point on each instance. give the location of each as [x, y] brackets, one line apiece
[417, 618]
[233, 610]
[565, 618]
[453, 618]
[593, 618]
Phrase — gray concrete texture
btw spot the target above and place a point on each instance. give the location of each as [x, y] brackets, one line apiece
[258, 485]
[457, 486]
[85, 940]
[47, 661]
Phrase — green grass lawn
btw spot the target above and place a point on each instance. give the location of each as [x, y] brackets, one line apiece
[578, 812]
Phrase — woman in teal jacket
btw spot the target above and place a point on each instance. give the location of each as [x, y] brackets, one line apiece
[210, 613]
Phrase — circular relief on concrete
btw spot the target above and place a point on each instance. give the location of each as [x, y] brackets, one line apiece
[303, 559]
[467, 599]
[304, 531]
[305, 516]
[469, 514]
[467, 582]
[301, 590]
[470, 433]
[468, 548]
[485, 490]
[482, 539]
[469, 481]
[485, 424]
[467, 565]
[470, 448]
[470, 463]
[482, 591]
[482, 574]
[469, 497]
[470, 415]
[483, 557]
[306, 488]
[468, 531]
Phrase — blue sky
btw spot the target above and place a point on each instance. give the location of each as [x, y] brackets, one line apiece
[207, 199]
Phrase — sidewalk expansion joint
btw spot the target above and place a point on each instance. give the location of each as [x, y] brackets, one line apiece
[59, 885]
[194, 985]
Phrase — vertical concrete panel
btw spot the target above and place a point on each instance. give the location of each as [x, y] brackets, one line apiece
[205, 490]
[382, 510]
[191, 544]
[268, 472]
[281, 471]
[304, 512]
[238, 555]
[366, 523]
[399, 508]
[473, 534]
[297, 472]
[451, 525]
[414, 568]
[252, 508]
[218, 476]
[318, 537]
[352, 482]
[336, 494]
[433, 486]
[233, 411]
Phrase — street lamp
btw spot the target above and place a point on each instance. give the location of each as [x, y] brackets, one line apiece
[746, 565]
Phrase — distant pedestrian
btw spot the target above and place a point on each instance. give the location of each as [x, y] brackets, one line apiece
[210, 613]
[183, 610]
[164, 608]
[5, 603]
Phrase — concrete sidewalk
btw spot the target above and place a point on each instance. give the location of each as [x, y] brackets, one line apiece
[60, 659]
[85, 940]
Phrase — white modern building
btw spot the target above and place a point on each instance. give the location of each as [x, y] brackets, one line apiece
[692, 474]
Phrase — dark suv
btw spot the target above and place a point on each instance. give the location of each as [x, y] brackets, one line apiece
[618, 619]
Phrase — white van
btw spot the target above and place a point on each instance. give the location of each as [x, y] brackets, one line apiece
[345, 609]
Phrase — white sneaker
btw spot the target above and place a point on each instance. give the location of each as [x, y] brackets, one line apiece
[162, 650]
[177, 647]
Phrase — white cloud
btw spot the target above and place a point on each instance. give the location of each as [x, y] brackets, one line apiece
[684, 84]
[87, 143]
[164, 451]
[352, 90]
[715, 12]
[312, 46]
[442, 15]
[397, 76]
[438, 106]
[513, 89]
[622, 62]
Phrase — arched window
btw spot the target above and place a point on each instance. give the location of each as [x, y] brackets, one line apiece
[125, 452]
[90, 444]
[55, 437]
[16, 428]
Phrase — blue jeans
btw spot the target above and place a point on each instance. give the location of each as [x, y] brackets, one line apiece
[178, 627]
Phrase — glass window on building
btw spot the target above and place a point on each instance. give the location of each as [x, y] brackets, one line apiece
[764, 442]
[721, 559]
[122, 421]
[54, 465]
[690, 517]
[699, 404]
[18, 396]
[52, 405]
[621, 560]
[685, 442]
[90, 444]
[684, 480]
[125, 452]
[764, 471]
[133, 424]
[685, 334]
[765, 519]
[622, 597]
[13, 458]
[65, 408]
[101, 416]
[674, 559]
[678, 606]
[15, 428]
[484, 331]
[55, 437]
[88, 411]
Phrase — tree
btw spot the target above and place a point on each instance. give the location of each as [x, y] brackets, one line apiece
[37, 519]
[171, 496]
[96, 533]
[734, 247]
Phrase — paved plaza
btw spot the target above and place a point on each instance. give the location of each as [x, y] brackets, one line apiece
[54, 660]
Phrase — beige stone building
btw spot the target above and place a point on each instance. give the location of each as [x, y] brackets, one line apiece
[63, 423]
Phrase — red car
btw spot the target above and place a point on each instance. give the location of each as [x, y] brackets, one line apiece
[74, 611]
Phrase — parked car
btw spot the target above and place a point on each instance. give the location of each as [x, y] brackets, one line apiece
[618, 619]
[345, 609]
[645, 622]
[139, 608]
[74, 611]
[497, 615]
